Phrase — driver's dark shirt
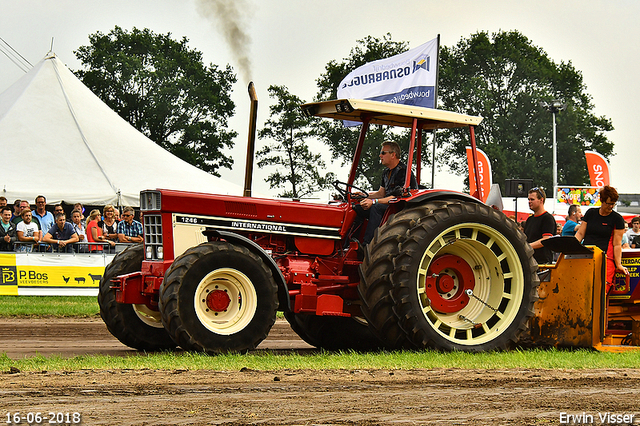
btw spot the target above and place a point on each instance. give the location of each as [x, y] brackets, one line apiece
[393, 180]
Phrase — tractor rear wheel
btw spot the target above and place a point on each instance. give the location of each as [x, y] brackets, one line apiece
[333, 333]
[464, 279]
[137, 326]
[218, 297]
[375, 285]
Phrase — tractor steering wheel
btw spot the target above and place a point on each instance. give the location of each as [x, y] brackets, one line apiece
[346, 191]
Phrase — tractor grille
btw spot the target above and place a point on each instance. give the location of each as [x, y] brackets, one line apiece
[153, 237]
[150, 200]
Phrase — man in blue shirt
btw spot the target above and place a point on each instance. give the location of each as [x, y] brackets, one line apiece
[41, 215]
[129, 230]
[572, 225]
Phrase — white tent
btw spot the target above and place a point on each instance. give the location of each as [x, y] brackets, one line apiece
[60, 140]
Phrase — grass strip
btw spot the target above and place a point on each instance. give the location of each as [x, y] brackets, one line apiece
[53, 306]
[518, 359]
[56, 306]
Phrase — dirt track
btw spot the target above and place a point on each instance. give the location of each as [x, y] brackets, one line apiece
[288, 397]
[69, 337]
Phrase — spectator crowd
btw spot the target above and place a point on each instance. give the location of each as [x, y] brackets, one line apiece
[40, 230]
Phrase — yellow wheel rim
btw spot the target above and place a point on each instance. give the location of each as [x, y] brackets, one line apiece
[496, 292]
[241, 306]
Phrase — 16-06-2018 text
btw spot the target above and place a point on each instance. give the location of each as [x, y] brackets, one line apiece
[37, 418]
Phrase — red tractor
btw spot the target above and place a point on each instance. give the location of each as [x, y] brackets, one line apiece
[443, 270]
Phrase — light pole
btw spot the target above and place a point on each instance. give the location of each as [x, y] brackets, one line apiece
[554, 107]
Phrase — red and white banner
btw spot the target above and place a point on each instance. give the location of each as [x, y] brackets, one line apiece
[598, 169]
[484, 173]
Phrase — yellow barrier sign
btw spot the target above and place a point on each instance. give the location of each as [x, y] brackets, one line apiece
[51, 274]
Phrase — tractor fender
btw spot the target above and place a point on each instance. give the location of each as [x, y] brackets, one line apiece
[441, 195]
[283, 290]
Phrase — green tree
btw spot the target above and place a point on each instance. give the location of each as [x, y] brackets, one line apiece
[288, 130]
[503, 78]
[342, 140]
[164, 90]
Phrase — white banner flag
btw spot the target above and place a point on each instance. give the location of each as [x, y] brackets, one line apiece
[408, 78]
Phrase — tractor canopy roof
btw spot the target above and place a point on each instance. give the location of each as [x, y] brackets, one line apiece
[388, 113]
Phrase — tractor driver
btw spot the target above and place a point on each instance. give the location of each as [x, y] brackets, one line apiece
[374, 206]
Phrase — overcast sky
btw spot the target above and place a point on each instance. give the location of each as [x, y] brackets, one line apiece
[288, 42]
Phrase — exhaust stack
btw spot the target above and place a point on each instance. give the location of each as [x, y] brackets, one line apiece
[253, 118]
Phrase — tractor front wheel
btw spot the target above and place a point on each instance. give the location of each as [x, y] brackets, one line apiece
[218, 297]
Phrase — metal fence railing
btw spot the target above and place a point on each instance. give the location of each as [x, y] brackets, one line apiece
[84, 247]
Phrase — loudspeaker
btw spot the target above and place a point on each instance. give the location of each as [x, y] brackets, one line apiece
[517, 187]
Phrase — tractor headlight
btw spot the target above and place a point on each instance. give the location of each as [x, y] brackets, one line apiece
[149, 252]
[160, 253]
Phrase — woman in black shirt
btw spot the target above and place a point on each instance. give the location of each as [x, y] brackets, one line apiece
[603, 228]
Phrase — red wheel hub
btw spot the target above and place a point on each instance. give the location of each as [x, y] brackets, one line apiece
[218, 301]
[445, 284]
[448, 277]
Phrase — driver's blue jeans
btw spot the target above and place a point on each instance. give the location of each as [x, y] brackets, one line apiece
[375, 215]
